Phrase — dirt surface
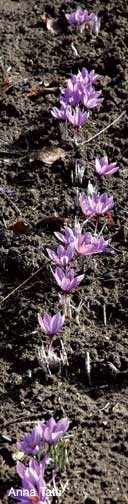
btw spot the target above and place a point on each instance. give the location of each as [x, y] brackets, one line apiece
[98, 454]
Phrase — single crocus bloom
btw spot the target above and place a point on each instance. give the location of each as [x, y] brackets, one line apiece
[51, 325]
[53, 431]
[103, 167]
[71, 95]
[62, 257]
[67, 281]
[88, 245]
[33, 483]
[69, 234]
[34, 469]
[96, 204]
[77, 118]
[31, 442]
[60, 113]
[92, 99]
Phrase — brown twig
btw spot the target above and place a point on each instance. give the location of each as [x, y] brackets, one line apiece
[23, 283]
[17, 210]
[102, 131]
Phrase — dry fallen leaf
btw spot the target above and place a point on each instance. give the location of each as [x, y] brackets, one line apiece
[50, 23]
[19, 226]
[43, 91]
[49, 155]
[53, 222]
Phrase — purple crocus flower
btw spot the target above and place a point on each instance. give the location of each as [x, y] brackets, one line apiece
[78, 17]
[103, 167]
[60, 113]
[92, 98]
[67, 281]
[51, 325]
[69, 235]
[86, 77]
[34, 469]
[77, 118]
[88, 245]
[33, 483]
[62, 257]
[71, 95]
[53, 431]
[95, 204]
[81, 17]
[31, 442]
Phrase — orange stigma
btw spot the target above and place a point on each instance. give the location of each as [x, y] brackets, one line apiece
[109, 217]
[33, 498]
[33, 445]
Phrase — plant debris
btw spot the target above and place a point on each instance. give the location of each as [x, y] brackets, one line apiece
[19, 227]
[48, 154]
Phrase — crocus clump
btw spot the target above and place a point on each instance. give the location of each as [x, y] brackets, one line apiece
[79, 17]
[96, 205]
[50, 432]
[78, 98]
[103, 167]
[82, 18]
[35, 487]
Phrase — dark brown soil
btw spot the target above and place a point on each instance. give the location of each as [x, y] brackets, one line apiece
[98, 413]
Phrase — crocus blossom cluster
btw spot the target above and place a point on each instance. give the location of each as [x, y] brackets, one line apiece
[75, 243]
[82, 18]
[76, 102]
[78, 98]
[43, 436]
[44, 433]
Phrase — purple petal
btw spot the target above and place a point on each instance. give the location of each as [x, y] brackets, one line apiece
[53, 256]
[57, 322]
[59, 275]
[51, 424]
[79, 279]
[62, 425]
[20, 468]
[47, 319]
